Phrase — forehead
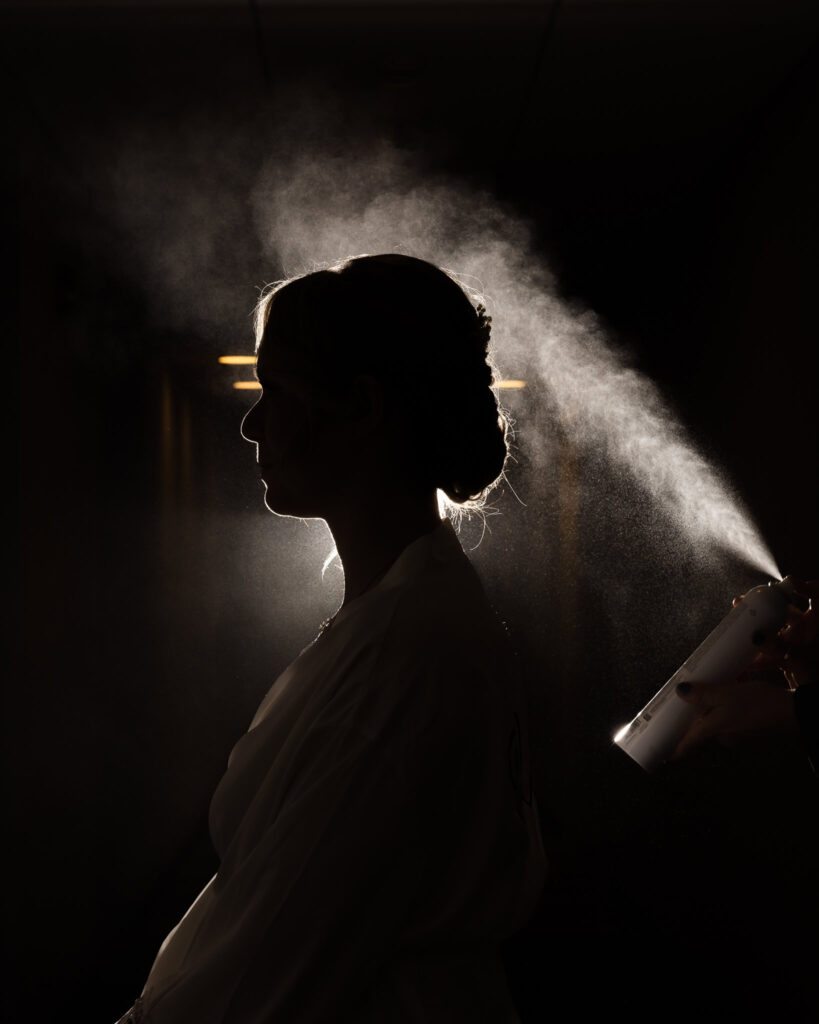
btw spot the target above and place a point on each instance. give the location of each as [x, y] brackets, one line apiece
[273, 360]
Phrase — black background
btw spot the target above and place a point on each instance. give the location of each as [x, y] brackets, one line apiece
[664, 155]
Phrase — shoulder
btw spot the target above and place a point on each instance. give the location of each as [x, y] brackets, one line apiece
[443, 650]
[425, 648]
[440, 610]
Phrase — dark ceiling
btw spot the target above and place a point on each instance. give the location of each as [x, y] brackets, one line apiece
[592, 117]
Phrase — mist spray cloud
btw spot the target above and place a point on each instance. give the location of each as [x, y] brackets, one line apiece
[313, 209]
[621, 505]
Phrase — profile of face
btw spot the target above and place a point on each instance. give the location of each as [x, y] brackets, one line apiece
[293, 427]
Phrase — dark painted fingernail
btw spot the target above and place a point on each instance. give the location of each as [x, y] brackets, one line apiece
[683, 688]
[758, 637]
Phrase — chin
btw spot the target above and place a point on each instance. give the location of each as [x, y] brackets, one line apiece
[288, 506]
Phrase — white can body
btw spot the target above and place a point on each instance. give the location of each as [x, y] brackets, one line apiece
[651, 737]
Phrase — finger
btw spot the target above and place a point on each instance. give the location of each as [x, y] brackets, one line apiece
[705, 727]
[701, 695]
[807, 588]
[800, 668]
[690, 741]
[800, 630]
[804, 595]
[764, 671]
[769, 643]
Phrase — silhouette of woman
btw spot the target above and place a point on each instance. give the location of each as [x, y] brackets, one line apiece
[375, 826]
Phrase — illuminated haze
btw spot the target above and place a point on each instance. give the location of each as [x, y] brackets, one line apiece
[211, 211]
[315, 208]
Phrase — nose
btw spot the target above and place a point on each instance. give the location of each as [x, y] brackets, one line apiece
[251, 424]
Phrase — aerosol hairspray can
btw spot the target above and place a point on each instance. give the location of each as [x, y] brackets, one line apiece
[652, 736]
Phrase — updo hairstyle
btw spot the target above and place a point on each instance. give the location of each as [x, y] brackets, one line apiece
[411, 325]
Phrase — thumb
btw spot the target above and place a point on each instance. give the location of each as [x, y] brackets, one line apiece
[701, 695]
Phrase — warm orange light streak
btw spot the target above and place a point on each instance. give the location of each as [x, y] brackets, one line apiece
[254, 385]
[238, 360]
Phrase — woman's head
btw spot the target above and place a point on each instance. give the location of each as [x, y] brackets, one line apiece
[408, 326]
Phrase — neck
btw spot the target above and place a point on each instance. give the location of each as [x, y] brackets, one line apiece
[369, 540]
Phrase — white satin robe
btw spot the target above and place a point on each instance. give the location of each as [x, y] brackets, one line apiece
[375, 825]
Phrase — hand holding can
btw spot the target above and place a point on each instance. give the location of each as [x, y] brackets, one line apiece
[656, 733]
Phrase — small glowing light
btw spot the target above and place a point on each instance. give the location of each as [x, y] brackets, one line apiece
[247, 385]
[620, 734]
[238, 360]
[510, 385]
